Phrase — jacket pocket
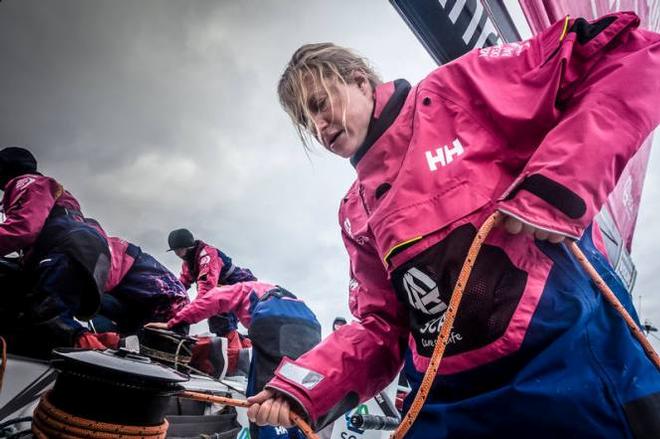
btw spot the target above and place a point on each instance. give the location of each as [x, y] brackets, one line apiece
[425, 284]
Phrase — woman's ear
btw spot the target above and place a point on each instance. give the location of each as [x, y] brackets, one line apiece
[360, 79]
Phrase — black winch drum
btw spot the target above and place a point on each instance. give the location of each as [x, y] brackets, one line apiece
[118, 387]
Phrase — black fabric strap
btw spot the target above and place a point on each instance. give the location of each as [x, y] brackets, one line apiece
[586, 31]
[554, 193]
[389, 114]
[278, 292]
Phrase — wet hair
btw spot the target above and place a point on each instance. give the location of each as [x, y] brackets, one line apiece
[317, 64]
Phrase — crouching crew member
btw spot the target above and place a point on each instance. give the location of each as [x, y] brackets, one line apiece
[139, 290]
[65, 257]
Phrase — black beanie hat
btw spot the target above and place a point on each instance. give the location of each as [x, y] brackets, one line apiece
[180, 238]
[340, 321]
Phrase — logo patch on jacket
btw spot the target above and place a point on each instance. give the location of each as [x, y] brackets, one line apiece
[423, 292]
[24, 182]
[444, 155]
[505, 50]
[424, 297]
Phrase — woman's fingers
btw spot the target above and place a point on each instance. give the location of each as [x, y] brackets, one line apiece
[541, 235]
[261, 397]
[257, 402]
[513, 226]
[274, 412]
[556, 238]
[266, 409]
[528, 229]
[285, 415]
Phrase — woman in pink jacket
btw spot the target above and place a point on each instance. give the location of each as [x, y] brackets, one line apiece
[209, 267]
[539, 131]
[64, 257]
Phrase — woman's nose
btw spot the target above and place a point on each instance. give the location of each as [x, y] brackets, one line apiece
[320, 121]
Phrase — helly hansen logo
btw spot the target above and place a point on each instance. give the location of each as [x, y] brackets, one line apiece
[24, 182]
[444, 155]
[423, 292]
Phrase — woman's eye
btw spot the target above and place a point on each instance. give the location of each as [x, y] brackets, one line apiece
[318, 104]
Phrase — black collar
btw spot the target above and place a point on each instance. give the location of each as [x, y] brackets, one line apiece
[378, 126]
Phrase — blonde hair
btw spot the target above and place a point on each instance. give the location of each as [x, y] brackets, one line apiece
[319, 63]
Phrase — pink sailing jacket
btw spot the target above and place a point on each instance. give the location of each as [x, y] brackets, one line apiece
[120, 261]
[540, 130]
[235, 298]
[27, 203]
[209, 265]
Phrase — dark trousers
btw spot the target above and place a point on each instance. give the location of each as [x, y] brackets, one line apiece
[49, 307]
[149, 292]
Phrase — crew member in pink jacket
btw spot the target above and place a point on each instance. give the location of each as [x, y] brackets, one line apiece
[209, 267]
[539, 130]
[64, 255]
[139, 290]
[279, 325]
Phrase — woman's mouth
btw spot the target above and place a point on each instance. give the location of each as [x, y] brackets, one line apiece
[333, 140]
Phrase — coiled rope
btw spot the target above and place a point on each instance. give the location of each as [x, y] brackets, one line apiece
[454, 302]
[51, 422]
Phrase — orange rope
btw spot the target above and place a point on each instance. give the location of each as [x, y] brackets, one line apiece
[3, 366]
[445, 331]
[51, 422]
[300, 423]
[612, 299]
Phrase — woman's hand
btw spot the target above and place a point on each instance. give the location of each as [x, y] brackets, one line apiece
[515, 226]
[157, 325]
[269, 409]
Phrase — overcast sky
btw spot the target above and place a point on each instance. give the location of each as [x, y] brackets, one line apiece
[160, 114]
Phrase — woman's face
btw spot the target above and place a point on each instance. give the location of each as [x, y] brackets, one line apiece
[342, 116]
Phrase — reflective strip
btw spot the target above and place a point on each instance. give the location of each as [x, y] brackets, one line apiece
[299, 375]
